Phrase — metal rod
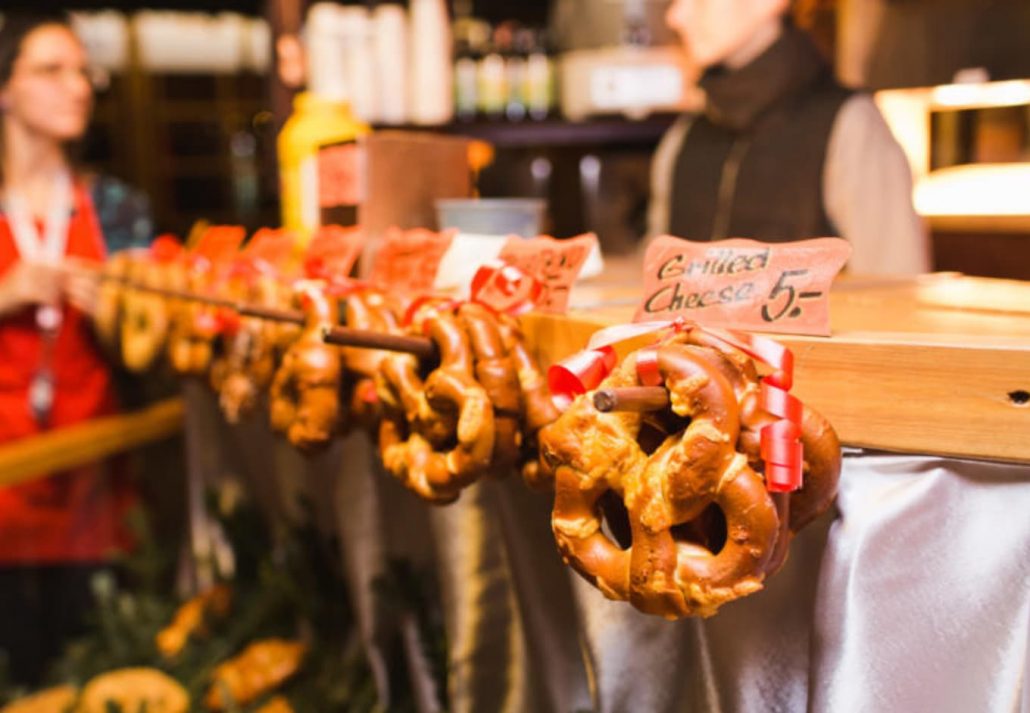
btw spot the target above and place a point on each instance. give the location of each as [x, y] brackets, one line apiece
[631, 398]
[271, 313]
[422, 347]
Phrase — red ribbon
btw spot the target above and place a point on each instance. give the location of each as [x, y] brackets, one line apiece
[579, 374]
[166, 248]
[781, 447]
[519, 292]
[227, 321]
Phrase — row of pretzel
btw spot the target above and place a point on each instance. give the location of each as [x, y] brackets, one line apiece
[666, 508]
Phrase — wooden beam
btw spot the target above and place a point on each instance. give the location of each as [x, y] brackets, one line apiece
[935, 365]
[88, 442]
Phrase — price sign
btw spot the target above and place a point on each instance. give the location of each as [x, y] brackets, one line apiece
[555, 264]
[270, 246]
[220, 243]
[408, 260]
[333, 250]
[743, 284]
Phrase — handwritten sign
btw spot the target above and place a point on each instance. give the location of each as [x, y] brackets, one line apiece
[743, 284]
[220, 243]
[555, 264]
[271, 246]
[408, 260]
[333, 250]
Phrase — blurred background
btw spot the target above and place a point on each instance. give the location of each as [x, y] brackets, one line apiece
[573, 94]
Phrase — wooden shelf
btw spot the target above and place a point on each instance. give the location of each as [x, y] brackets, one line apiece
[559, 133]
[933, 365]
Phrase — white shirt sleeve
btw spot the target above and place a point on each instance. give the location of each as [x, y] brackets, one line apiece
[867, 189]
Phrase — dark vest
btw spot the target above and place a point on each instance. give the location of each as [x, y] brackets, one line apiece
[752, 165]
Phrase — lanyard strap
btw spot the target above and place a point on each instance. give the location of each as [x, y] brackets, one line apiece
[50, 246]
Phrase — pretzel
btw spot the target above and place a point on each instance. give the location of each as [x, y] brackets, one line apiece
[371, 311]
[305, 391]
[436, 436]
[134, 689]
[261, 667]
[592, 454]
[194, 327]
[146, 316]
[822, 455]
[190, 619]
[57, 699]
[253, 351]
[496, 372]
[538, 409]
[108, 313]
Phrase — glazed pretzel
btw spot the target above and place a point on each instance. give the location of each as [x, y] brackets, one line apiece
[305, 399]
[194, 326]
[593, 453]
[496, 372]
[538, 409]
[146, 316]
[436, 436]
[370, 310]
[260, 668]
[249, 361]
[822, 455]
[107, 316]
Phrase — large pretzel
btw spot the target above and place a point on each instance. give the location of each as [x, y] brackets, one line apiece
[496, 371]
[822, 456]
[369, 310]
[251, 352]
[147, 316]
[194, 326]
[538, 409]
[107, 316]
[662, 572]
[305, 393]
[436, 436]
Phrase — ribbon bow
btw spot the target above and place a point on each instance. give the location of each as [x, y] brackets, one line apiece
[781, 447]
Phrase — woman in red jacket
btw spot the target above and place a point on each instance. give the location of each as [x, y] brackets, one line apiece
[54, 531]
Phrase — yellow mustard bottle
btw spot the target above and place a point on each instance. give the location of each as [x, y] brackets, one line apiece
[320, 164]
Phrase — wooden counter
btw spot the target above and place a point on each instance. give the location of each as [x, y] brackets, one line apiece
[938, 364]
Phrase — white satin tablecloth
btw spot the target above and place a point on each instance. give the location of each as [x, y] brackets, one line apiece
[914, 595]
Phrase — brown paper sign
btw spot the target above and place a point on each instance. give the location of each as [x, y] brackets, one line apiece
[271, 246]
[556, 264]
[408, 260]
[220, 243]
[743, 284]
[334, 249]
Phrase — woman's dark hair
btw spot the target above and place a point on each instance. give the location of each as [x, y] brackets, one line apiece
[15, 27]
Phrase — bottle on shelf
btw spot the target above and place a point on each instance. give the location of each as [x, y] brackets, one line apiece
[390, 30]
[493, 77]
[432, 96]
[466, 94]
[515, 69]
[540, 81]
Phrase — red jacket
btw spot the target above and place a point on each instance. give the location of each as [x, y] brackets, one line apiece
[74, 516]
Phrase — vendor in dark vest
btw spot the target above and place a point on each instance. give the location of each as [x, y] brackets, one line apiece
[781, 151]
